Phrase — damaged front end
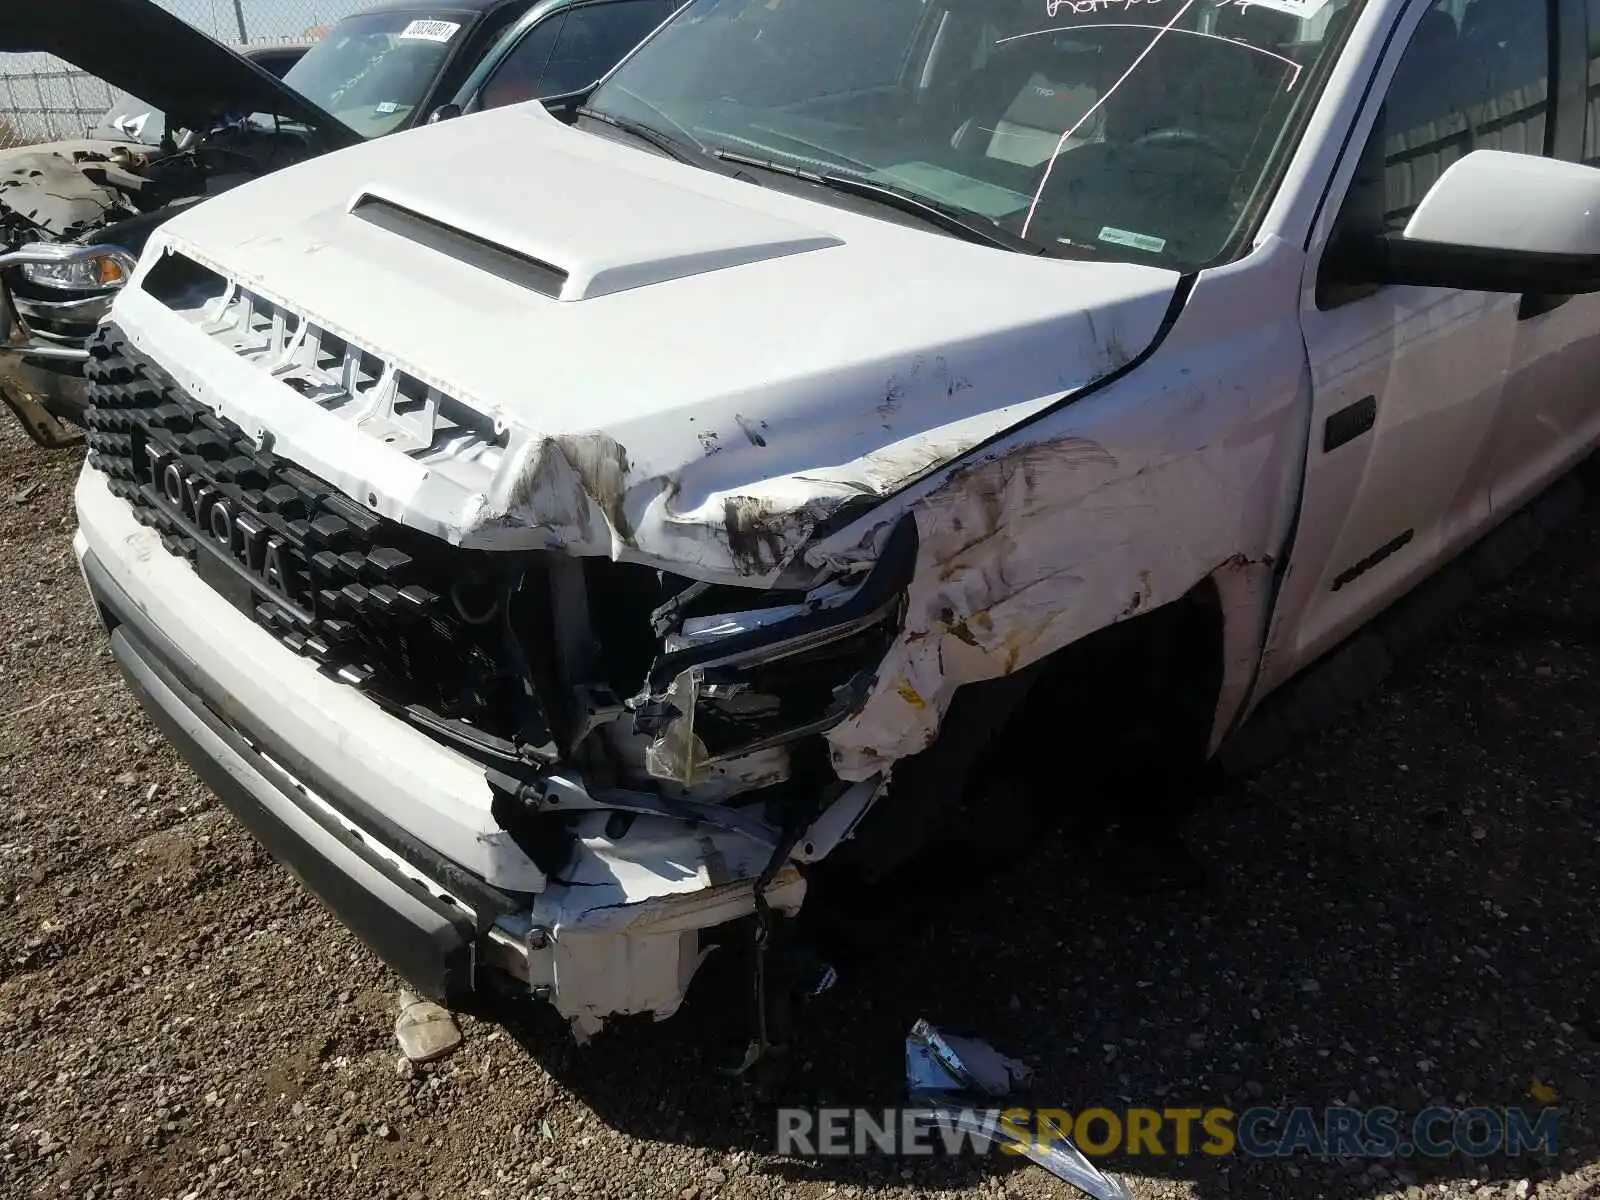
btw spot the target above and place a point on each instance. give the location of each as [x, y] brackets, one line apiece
[732, 685]
[717, 761]
[54, 287]
[653, 745]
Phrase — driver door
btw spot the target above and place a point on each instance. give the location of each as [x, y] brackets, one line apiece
[1407, 382]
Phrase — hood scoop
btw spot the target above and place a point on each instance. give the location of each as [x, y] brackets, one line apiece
[579, 228]
[490, 257]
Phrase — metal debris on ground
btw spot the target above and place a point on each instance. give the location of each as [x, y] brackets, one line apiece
[27, 493]
[425, 1031]
[952, 1076]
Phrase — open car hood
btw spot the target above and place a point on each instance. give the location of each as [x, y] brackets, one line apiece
[140, 47]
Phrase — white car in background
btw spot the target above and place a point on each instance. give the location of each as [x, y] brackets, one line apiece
[564, 543]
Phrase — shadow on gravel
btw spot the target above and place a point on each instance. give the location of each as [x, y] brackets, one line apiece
[1403, 914]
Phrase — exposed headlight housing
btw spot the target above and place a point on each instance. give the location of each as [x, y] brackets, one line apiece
[82, 269]
[737, 683]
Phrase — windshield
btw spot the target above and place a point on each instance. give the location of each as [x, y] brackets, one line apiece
[373, 70]
[1146, 130]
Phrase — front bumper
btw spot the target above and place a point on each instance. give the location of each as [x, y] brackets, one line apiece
[427, 941]
[392, 830]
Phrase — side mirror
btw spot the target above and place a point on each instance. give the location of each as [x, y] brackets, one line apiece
[445, 112]
[1493, 222]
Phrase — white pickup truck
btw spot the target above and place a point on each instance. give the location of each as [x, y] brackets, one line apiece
[562, 542]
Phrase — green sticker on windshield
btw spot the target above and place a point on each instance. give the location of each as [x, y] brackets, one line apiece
[1138, 241]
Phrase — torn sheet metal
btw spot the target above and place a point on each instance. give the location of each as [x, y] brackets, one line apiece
[953, 1075]
[1102, 511]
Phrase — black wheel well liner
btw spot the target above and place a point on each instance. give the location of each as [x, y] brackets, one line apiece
[1130, 706]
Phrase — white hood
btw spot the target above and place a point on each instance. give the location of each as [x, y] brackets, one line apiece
[685, 369]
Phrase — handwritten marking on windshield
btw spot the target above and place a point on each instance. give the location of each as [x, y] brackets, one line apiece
[1033, 208]
[1215, 37]
[1088, 8]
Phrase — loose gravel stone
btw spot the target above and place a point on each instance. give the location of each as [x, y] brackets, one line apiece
[425, 1031]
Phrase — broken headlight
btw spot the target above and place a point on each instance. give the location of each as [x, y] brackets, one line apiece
[737, 683]
[80, 269]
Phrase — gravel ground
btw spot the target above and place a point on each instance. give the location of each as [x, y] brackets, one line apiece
[1403, 913]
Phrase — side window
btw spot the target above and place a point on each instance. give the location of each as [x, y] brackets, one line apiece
[519, 75]
[1475, 76]
[593, 39]
[484, 39]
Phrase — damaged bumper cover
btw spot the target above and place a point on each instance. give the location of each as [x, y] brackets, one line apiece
[368, 812]
[618, 935]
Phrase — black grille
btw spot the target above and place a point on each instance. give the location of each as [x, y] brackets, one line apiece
[418, 624]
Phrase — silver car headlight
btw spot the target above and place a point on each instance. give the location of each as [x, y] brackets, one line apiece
[100, 270]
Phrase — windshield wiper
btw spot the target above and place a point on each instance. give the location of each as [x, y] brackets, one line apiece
[679, 151]
[945, 216]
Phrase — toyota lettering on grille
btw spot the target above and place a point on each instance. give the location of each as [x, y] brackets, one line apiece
[264, 559]
[333, 582]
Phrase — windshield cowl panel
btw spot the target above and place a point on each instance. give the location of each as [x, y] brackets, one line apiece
[373, 70]
[1138, 130]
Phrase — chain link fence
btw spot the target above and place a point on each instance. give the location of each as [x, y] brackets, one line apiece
[43, 99]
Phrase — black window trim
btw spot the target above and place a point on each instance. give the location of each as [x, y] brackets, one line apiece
[1571, 54]
[554, 14]
[583, 89]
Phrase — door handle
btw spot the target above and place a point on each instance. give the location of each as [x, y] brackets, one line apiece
[1349, 423]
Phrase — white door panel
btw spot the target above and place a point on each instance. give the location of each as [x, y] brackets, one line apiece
[1421, 414]
[1550, 417]
[1433, 362]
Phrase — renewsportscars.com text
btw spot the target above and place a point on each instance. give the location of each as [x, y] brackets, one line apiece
[1256, 1132]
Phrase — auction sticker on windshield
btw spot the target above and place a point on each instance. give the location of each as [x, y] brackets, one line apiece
[430, 31]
